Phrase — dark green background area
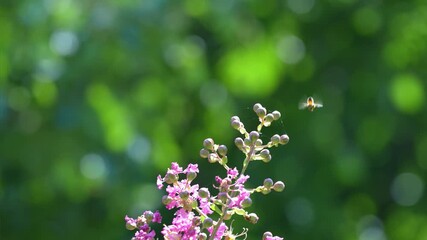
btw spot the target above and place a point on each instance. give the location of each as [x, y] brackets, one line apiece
[98, 97]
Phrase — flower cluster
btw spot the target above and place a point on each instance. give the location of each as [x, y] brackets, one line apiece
[201, 215]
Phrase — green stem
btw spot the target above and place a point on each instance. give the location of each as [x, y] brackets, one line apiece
[221, 219]
[248, 159]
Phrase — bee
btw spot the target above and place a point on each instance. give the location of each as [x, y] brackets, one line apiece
[310, 104]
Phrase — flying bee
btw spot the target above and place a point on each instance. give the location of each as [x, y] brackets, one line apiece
[310, 104]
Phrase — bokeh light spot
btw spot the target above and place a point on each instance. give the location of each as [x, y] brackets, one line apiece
[407, 93]
[291, 49]
[64, 43]
[139, 149]
[45, 93]
[252, 70]
[407, 189]
[146, 196]
[93, 166]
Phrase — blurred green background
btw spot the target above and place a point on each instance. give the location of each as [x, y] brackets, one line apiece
[98, 97]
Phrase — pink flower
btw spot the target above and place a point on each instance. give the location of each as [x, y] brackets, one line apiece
[192, 168]
[232, 173]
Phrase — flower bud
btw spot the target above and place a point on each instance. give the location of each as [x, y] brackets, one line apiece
[239, 142]
[204, 193]
[196, 221]
[265, 153]
[204, 153]
[253, 136]
[247, 141]
[222, 196]
[208, 143]
[202, 236]
[252, 218]
[266, 234]
[257, 106]
[276, 115]
[265, 191]
[191, 176]
[269, 118]
[170, 178]
[279, 186]
[284, 139]
[148, 216]
[222, 150]
[247, 202]
[258, 142]
[228, 215]
[166, 199]
[235, 124]
[261, 112]
[275, 139]
[224, 160]
[208, 222]
[268, 183]
[184, 195]
[212, 158]
[235, 118]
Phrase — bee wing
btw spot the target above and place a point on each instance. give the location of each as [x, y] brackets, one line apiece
[319, 105]
[302, 105]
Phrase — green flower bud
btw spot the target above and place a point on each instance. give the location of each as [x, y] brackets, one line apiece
[196, 221]
[247, 202]
[269, 118]
[170, 178]
[247, 141]
[235, 118]
[268, 183]
[261, 112]
[224, 160]
[252, 218]
[222, 196]
[184, 195]
[222, 150]
[253, 136]
[284, 139]
[276, 115]
[208, 222]
[208, 143]
[202, 236]
[266, 234]
[212, 158]
[148, 216]
[239, 142]
[279, 186]
[258, 142]
[166, 199]
[204, 153]
[228, 215]
[275, 139]
[257, 106]
[265, 153]
[191, 176]
[204, 193]
[235, 124]
[265, 191]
